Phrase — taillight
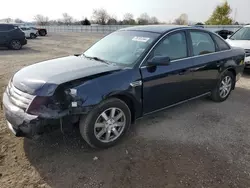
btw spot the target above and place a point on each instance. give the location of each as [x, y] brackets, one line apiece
[37, 104]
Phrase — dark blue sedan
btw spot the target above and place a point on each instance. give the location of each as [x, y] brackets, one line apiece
[126, 75]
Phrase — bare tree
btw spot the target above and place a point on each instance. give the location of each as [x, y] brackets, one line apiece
[182, 20]
[7, 20]
[67, 19]
[17, 20]
[128, 16]
[101, 16]
[154, 20]
[41, 20]
[128, 19]
[143, 19]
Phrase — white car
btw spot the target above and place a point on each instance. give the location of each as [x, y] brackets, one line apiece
[29, 32]
[241, 38]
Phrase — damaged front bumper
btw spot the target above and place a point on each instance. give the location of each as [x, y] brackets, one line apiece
[21, 123]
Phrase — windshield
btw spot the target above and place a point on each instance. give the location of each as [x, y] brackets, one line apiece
[241, 34]
[122, 47]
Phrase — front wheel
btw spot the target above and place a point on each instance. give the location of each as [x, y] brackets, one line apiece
[106, 124]
[223, 87]
[32, 36]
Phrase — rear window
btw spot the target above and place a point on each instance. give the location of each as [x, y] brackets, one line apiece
[222, 45]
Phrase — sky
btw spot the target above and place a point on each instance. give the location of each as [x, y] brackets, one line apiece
[164, 10]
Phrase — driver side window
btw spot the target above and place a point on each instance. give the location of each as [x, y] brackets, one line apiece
[173, 46]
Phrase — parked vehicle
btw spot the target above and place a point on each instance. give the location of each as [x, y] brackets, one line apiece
[224, 33]
[41, 31]
[241, 38]
[29, 32]
[128, 74]
[12, 36]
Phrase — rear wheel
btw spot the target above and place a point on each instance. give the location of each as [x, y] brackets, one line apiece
[32, 36]
[223, 87]
[106, 124]
[42, 33]
[15, 45]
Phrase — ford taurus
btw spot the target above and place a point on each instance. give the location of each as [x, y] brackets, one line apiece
[126, 75]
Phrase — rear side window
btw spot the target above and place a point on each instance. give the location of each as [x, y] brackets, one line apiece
[222, 45]
[202, 43]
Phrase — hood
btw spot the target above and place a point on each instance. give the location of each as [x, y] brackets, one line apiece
[57, 71]
[239, 43]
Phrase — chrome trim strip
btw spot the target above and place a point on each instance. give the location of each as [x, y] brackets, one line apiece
[135, 84]
[183, 29]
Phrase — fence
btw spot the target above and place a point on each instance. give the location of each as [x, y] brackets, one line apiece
[111, 28]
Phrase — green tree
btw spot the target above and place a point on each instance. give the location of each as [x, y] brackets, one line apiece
[221, 15]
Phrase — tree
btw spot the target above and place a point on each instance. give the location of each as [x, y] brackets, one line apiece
[182, 20]
[128, 19]
[101, 16]
[17, 20]
[7, 20]
[85, 22]
[221, 15]
[41, 20]
[67, 19]
[112, 21]
[143, 19]
[153, 20]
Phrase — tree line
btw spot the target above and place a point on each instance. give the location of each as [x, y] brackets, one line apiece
[220, 16]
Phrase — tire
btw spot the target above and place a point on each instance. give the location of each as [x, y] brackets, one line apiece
[95, 128]
[15, 45]
[42, 33]
[32, 36]
[227, 78]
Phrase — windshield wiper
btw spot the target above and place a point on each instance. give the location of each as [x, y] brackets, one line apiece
[97, 59]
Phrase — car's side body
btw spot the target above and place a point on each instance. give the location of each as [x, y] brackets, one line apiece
[9, 32]
[143, 87]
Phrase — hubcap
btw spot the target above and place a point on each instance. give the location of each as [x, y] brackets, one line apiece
[16, 44]
[110, 125]
[225, 86]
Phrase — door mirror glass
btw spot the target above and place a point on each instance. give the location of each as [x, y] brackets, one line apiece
[159, 60]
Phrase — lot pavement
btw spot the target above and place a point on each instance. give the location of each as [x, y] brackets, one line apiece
[197, 144]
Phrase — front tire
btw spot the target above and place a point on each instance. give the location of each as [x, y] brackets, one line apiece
[106, 124]
[223, 87]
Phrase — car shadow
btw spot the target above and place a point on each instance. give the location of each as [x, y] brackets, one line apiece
[143, 160]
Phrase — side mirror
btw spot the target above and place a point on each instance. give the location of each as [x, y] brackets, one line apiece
[159, 60]
[228, 36]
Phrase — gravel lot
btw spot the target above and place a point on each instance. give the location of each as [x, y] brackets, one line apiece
[198, 144]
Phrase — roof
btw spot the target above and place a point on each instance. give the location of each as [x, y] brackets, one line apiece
[154, 28]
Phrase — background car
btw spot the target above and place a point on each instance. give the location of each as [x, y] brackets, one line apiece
[224, 33]
[12, 36]
[30, 32]
[41, 31]
[241, 38]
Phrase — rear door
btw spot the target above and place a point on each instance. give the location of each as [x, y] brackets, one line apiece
[3, 34]
[205, 59]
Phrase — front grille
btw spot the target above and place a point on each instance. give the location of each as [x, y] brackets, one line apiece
[18, 98]
[247, 53]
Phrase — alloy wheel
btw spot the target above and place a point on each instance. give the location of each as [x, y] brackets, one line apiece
[225, 86]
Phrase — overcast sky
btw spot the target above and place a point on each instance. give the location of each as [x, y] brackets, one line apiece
[164, 10]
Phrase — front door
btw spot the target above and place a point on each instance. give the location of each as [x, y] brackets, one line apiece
[169, 84]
